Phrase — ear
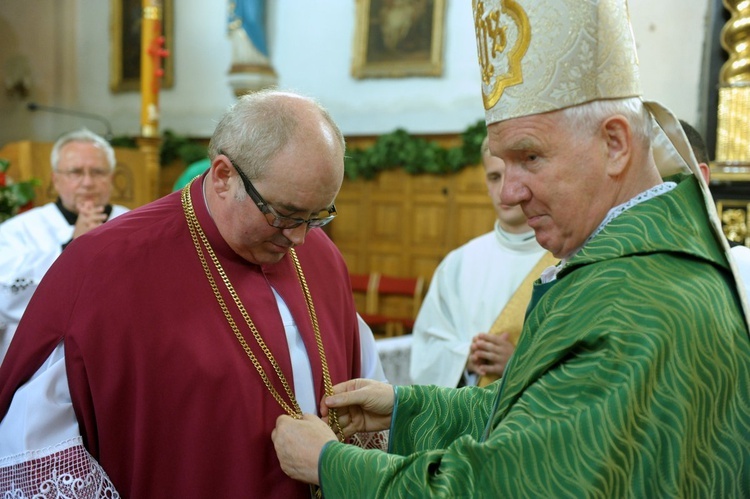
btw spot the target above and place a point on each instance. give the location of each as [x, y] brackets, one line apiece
[705, 172]
[219, 174]
[619, 139]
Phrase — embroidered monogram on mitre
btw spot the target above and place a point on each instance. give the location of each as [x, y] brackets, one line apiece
[503, 37]
[538, 57]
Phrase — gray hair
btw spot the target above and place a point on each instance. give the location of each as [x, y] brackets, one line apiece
[257, 127]
[588, 116]
[82, 135]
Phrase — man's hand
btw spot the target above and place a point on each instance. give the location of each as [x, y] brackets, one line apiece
[489, 353]
[90, 217]
[298, 443]
[362, 405]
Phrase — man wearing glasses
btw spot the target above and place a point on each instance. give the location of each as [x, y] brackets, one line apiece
[82, 165]
[184, 329]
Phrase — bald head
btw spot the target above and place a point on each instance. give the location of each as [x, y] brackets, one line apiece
[261, 124]
[291, 154]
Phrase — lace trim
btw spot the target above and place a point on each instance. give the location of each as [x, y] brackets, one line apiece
[20, 284]
[65, 470]
[372, 440]
[620, 209]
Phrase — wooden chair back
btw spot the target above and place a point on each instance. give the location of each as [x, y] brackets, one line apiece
[391, 303]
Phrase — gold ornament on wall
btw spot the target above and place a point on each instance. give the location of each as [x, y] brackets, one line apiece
[733, 131]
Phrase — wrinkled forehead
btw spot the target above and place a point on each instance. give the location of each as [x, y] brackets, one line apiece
[84, 152]
[527, 133]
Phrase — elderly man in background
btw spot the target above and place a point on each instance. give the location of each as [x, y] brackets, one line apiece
[452, 344]
[82, 167]
[632, 373]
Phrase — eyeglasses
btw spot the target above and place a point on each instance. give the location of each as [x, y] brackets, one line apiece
[77, 174]
[272, 216]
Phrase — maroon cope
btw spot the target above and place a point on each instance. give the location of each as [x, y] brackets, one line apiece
[167, 400]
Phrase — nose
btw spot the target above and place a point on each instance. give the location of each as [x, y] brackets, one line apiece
[297, 234]
[87, 179]
[514, 190]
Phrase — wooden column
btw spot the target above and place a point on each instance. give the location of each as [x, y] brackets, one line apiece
[733, 131]
[730, 173]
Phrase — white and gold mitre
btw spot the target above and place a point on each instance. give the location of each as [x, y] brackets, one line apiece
[539, 56]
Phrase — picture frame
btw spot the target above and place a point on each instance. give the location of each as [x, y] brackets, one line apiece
[125, 45]
[395, 39]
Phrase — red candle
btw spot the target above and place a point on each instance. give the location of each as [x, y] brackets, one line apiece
[152, 52]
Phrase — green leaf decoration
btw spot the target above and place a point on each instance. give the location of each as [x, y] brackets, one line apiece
[397, 149]
[415, 155]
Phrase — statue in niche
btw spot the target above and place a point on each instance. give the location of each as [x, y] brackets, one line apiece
[251, 67]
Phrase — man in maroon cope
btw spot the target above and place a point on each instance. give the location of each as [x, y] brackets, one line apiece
[165, 344]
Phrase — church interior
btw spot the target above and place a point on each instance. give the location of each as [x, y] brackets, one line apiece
[387, 83]
[374, 248]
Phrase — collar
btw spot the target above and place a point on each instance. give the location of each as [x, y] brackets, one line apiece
[518, 242]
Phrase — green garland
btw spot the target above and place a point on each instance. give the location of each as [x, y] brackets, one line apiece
[415, 155]
[397, 149]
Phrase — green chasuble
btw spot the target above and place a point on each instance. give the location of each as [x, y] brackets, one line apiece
[631, 379]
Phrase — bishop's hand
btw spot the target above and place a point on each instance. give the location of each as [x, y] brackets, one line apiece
[362, 405]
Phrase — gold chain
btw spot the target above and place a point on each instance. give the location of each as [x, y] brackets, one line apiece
[198, 236]
[333, 419]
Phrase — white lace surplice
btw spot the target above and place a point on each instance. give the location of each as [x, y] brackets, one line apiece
[43, 449]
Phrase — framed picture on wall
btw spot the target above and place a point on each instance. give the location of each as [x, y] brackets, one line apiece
[125, 45]
[398, 38]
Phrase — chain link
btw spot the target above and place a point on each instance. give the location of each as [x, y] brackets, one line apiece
[333, 419]
[201, 241]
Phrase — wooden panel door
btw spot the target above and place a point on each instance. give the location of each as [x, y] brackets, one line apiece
[401, 224]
